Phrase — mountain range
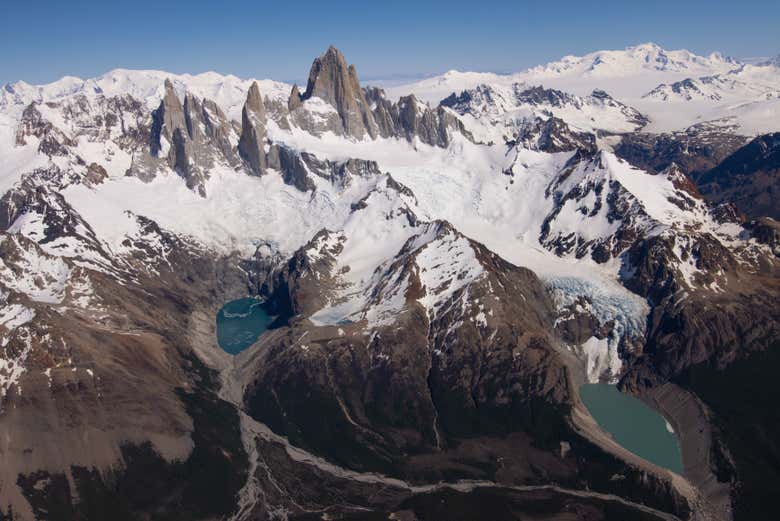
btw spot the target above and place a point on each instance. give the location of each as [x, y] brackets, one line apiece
[446, 262]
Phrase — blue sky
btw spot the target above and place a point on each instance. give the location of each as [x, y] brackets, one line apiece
[43, 40]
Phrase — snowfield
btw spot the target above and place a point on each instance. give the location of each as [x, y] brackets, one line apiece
[749, 92]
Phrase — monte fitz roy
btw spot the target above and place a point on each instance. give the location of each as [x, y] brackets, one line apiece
[245, 299]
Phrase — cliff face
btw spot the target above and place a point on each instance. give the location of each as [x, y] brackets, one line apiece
[251, 146]
[749, 178]
[333, 81]
[190, 138]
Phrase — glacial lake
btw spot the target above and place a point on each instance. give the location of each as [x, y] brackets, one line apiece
[240, 323]
[634, 425]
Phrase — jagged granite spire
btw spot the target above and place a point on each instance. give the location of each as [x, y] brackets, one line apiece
[295, 98]
[189, 138]
[168, 117]
[253, 122]
[332, 80]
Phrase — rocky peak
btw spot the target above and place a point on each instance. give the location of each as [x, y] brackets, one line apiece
[171, 136]
[193, 111]
[335, 102]
[680, 181]
[251, 145]
[538, 95]
[188, 137]
[172, 110]
[254, 102]
[335, 82]
[166, 119]
[53, 141]
[218, 128]
[431, 126]
[295, 98]
[554, 135]
[330, 78]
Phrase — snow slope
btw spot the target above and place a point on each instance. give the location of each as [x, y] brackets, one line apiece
[623, 73]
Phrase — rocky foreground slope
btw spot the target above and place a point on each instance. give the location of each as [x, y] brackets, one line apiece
[443, 279]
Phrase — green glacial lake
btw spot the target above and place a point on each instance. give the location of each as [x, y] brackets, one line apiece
[633, 425]
[240, 323]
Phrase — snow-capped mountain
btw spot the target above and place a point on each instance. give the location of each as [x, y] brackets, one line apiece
[442, 278]
[495, 112]
[621, 72]
[746, 96]
[647, 57]
[228, 91]
[647, 77]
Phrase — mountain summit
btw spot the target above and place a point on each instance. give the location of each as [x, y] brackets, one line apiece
[332, 80]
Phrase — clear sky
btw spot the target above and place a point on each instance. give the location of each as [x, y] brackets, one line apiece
[42, 40]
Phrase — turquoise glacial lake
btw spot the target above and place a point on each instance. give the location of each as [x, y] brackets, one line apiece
[240, 323]
[633, 424]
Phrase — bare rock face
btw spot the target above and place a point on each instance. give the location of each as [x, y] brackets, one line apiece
[297, 168]
[293, 167]
[53, 142]
[766, 231]
[295, 98]
[251, 146]
[430, 125]
[385, 112]
[749, 178]
[335, 102]
[554, 135]
[690, 324]
[189, 138]
[218, 130]
[171, 114]
[695, 150]
[333, 81]
[410, 119]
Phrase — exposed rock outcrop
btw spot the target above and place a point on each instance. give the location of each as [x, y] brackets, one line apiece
[554, 135]
[298, 167]
[695, 150]
[295, 98]
[687, 325]
[251, 145]
[336, 83]
[334, 101]
[52, 141]
[188, 138]
[410, 118]
[749, 178]
[431, 126]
